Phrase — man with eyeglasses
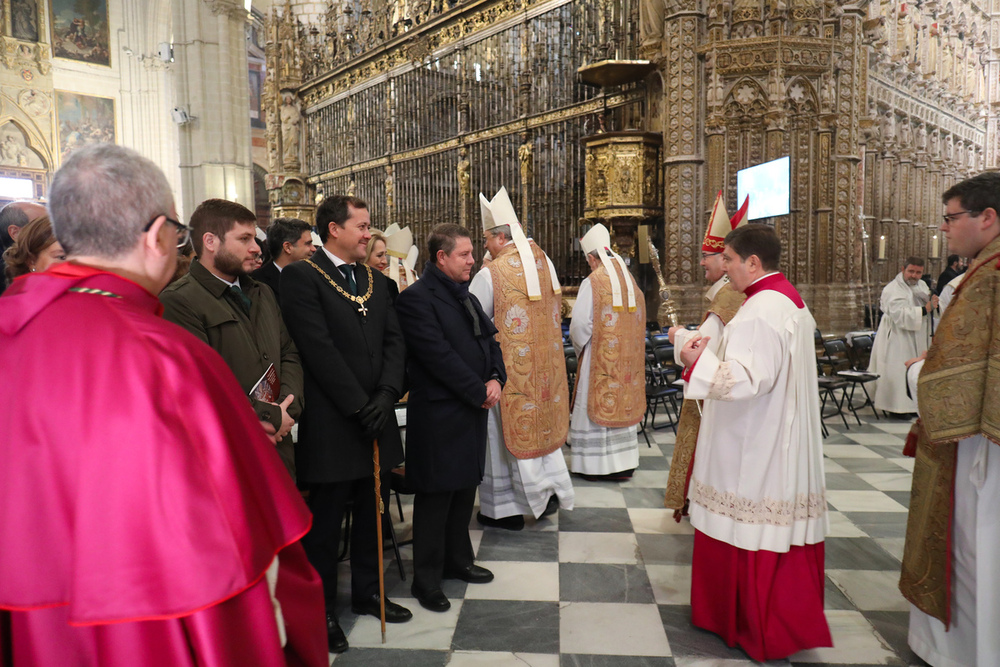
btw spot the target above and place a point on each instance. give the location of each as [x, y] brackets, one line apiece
[949, 569]
[903, 333]
[724, 301]
[239, 317]
[146, 517]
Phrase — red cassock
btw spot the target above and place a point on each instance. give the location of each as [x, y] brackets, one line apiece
[140, 501]
[769, 604]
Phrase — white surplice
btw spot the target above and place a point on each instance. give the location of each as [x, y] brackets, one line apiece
[594, 449]
[758, 481]
[948, 292]
[513, 486]
[903, 333]
[972, 639]
[711, 326]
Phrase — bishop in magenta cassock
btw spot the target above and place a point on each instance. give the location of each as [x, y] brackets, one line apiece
[146, 517]
[757, 489]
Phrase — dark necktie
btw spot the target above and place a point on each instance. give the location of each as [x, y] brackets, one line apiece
[348, 271]
[240, 297]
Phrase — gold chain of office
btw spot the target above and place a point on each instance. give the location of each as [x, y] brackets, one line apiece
[360, 300]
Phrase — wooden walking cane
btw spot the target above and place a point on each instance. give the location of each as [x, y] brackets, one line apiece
[379, 510]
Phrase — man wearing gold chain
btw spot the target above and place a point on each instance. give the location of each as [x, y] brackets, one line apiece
[340, 316]
[525, 469]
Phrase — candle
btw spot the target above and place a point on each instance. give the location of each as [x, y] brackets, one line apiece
[935, 248]
[881, 247]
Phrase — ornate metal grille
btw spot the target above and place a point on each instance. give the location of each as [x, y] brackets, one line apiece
[506, 100]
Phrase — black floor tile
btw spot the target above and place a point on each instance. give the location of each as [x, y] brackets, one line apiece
[894, 626]
[519, 626]
[383, 657]
[869, 465]
[596, 520]
[846, 481]
[687, 640]
[857, 553]
[879, 524]
[600, 582]
[647, 498]
[527, 545]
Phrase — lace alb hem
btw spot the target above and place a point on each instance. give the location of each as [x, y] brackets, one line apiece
[764, 511]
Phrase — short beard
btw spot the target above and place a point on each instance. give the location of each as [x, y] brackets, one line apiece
[229, 264]
[912, 282]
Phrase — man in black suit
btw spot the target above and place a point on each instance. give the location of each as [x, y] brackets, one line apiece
[339, 315]
[951, 271]
[288, 240]
[456, 374]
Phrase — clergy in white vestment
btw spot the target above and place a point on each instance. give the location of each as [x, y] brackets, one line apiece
[399, 248]
[758, 497]
[723, 302]
[903, 333]
[608, 331]
[948, 293]
[949, 571]
[526, 473]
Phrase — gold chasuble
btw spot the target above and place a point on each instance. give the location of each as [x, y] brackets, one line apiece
[617, 391]
[957, 396]
[534, 405]
[725, 304]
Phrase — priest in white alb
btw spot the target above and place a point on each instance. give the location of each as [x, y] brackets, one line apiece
[758, 498]
[608, 331]
[903, 333]
[398, 246]
[526, 472]
[723, 302]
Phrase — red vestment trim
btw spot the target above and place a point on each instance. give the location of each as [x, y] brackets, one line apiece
[769, 604]
[778, 283]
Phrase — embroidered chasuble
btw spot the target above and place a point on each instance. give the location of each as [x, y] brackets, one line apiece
[725, 304]
[958, 398]
[534, 405]
[616, 395]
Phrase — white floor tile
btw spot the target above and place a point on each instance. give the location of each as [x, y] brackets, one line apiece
[841, 526]
[690, 661]
[606, 495]
[647, 479]
[612, 629]
[894, 545]
[829, 465]
[876, 439]
[671, 583]
[903, 462]
[598, 548]
[658, 521]
[426, 630]
[491, 659]
[851, 451]
[870, 590]
[854, 642]
[862, 501]
[515, 580]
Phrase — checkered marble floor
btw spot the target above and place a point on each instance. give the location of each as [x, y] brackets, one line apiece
[608, 583]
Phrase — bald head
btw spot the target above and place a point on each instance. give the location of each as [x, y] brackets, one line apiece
[15, 215]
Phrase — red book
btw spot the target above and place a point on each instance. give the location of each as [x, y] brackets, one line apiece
[267, 386]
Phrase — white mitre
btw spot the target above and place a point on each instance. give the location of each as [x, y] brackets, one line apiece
[598, 240]
[397, 246]
[499, 212]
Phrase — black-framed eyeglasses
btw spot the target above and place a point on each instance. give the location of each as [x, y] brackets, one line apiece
[183, 231]
[949, 217]
[706, 255]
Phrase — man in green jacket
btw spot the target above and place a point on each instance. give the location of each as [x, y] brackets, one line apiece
[239, 317]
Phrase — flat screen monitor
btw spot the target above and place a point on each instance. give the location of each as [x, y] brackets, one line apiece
[768, 187]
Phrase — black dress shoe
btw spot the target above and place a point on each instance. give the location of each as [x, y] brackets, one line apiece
[515, 522]
[394, 613]
[551, 507]
[431, 600]
[472, 574]
[335, 637]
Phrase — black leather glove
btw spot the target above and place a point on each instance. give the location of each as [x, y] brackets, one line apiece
[375, 413]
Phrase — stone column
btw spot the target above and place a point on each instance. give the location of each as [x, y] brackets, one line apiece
[210, 57]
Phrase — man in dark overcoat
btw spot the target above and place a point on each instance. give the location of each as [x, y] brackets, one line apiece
[342, 321]
[456, 374]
